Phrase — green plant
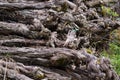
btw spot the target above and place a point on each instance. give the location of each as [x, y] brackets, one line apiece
[114, 54]
[108, 11]
[115, 60]
[114, 48]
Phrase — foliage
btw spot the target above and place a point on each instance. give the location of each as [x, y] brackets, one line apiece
[114, 49]
[115, 60]
[115, 42]
[114, 53]
[108, 11]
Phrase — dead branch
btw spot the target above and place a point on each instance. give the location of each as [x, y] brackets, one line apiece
[17, 6]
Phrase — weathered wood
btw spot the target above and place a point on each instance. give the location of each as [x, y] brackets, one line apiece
[16, 69]
[47, 40]
[22, 42]
[98, 2]
[22, 30]
[17, 6]
[61, 58]
[12, 74]
[7, 28]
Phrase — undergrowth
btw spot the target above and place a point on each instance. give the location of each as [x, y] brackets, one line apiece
[115, 60]
[114, 51]
[107, 11]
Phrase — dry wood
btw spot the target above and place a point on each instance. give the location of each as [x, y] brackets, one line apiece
[61, 57]
[22, 42]
[21, 30]
[17, 6]
[98, 2]
[47, 40]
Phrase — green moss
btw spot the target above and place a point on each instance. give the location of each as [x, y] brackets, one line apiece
[115, 61]
[106, 11]
[62, 62]
[114, 48]
[114, 54]
[64, 7]
[40, 75]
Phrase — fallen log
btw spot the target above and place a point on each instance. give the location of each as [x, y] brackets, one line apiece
[16, 69]
[21, 30]
[54, 40]
[22, 42]
[17, 6]
[62, 58]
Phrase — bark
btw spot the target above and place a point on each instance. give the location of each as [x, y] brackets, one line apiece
[79, 62]
[17, 6]
[55, 40]
[99, 2]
